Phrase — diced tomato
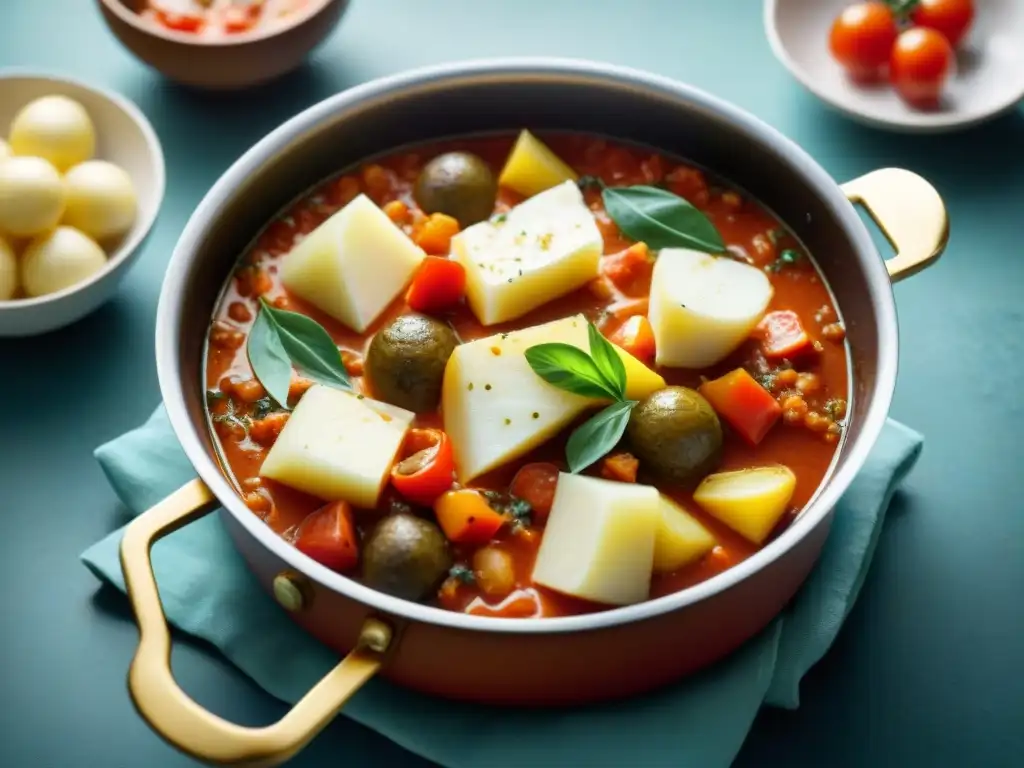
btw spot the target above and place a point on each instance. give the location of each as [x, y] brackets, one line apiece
[747, 406]
[627, 267]
[428, 468]
[535, 483]
[328, 536]
[622, 467]
[239, 18]
[439, 284]
[782, 334]
[179, 22]
[629, 308]
[636, 337]
[466, 517]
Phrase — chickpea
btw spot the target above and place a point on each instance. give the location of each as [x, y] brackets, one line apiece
[224, 337]
[353, 363]
[794, 409]
[281, 302]
[257, 502]
[816, 422]
[265, 431]
[397, 211]
[252, 483]
[239, 312]
[808, 383]
[298, 386]
[600, 288]
[763, 247]
[786, 379]
[494, 571]
[249, 390]
[834, 332]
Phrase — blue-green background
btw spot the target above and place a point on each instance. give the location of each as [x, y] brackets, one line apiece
[928, 670]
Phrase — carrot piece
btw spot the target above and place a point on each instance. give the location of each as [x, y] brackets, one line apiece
[636, 337]
[535, 484]
[747, 406]
[328, 535]
[436, 233]
[626, 267]
[628, 308]
[466, 517]
[782, 334]
[439, 284]
[620, 466]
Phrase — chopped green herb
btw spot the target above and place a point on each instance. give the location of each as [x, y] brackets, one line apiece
[776, 235]
[519, 510]
[787, 258]
[263, 407]
[214, 396]
[586, 182]
[499, 218]
[462, 573]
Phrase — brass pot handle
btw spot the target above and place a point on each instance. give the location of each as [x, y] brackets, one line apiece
[176, 717]
[910, 214]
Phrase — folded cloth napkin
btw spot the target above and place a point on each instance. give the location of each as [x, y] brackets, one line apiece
[702, 721]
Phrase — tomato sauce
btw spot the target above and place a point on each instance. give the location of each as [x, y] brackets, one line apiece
[805, 440]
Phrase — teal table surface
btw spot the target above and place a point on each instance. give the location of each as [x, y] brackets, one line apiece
[928, 670]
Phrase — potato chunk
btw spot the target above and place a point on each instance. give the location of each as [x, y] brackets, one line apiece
[599, 541]
[703, 307]
[532, 167]
[750, 501]
[496, 408]
[679, 539]
[353, 265]
[542, 249]
[338, 446]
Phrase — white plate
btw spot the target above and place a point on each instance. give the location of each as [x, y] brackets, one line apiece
[988, 82]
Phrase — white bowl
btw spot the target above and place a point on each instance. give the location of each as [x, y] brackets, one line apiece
[123, 136]
[988, 82]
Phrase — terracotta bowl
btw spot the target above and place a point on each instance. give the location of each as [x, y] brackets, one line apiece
[243, 60]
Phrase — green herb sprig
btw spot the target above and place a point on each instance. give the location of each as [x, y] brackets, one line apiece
[787, 258]
[599, 374]
[280, 341]
[658, 217]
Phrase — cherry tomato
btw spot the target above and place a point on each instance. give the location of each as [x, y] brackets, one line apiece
[921, 61]
[862, 38]
[426, 471]
[950, 17]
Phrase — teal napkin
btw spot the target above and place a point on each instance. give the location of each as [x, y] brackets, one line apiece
[208, 592]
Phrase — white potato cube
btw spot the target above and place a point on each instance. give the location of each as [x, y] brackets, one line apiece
[703, 307]
[496, 408]
[353, 265]
[599, 541]
[338, 446]
[679, 539]
[543, 248]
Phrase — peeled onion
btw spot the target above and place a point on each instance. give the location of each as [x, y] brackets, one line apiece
[55, 128]
[31, 196]
[8, 270]
[101, 199]
[58, 260]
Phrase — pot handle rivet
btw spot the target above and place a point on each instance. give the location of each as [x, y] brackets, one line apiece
[291, 590]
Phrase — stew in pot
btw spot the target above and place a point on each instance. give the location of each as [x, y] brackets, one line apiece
[517, 377]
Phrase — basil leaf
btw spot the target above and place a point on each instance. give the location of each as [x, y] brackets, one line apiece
[268, 358]
[596, 437]
[608, 361]
[661, 219]
[290, 339]
[569, 368]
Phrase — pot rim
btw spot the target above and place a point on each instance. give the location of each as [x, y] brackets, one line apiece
[207, 212]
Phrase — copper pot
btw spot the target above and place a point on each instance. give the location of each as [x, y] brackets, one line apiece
[570, 660]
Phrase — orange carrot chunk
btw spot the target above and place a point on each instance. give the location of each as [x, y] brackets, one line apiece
[466, 517]
[747, 406]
